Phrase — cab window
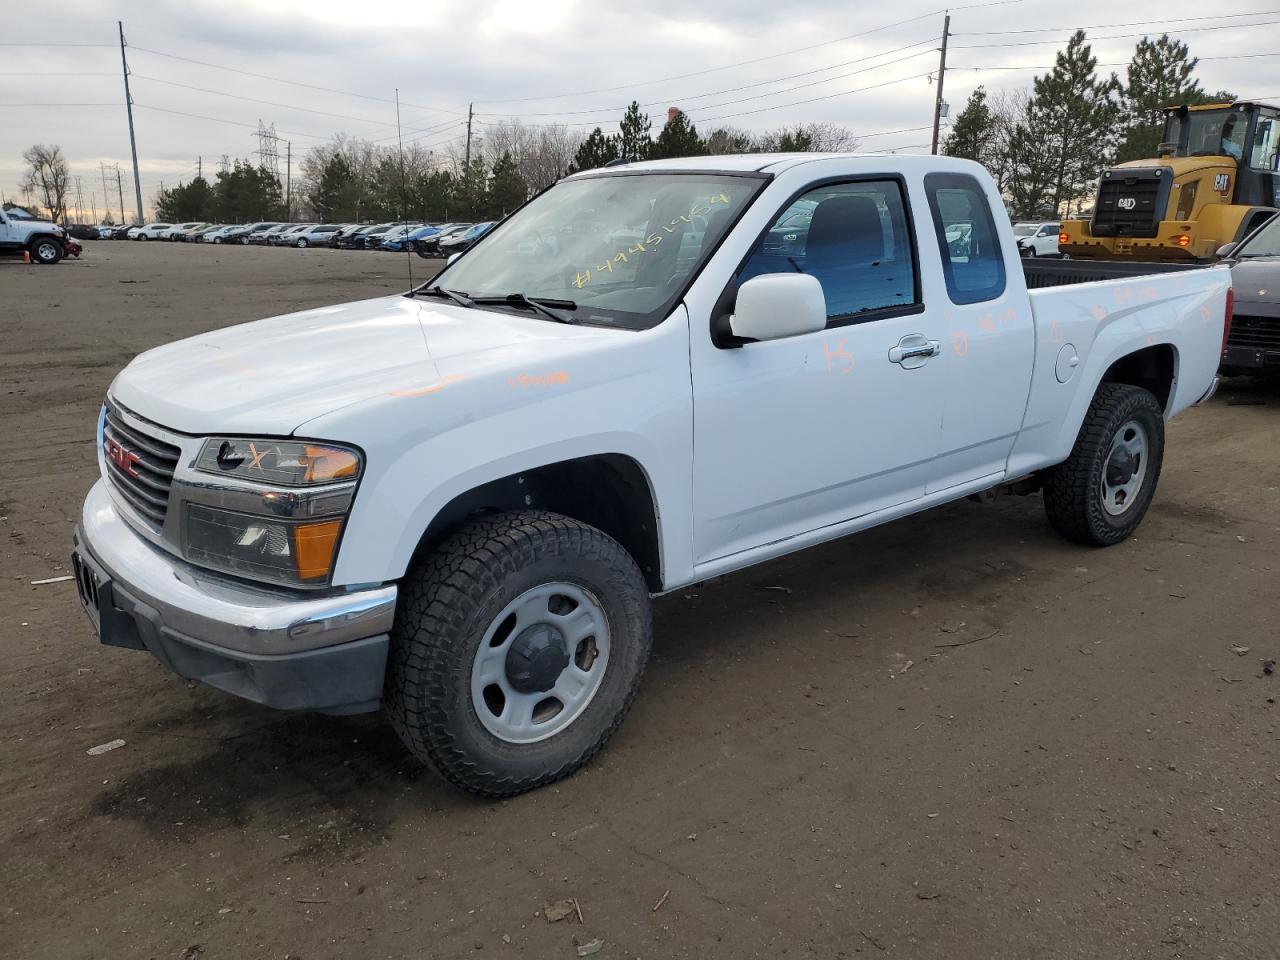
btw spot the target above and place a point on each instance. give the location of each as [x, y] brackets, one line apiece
[1266, 141]
[972, 261]
[854, 238]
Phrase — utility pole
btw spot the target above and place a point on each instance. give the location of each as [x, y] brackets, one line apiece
[288, 180]
[942, 72]
[470, 113]
[79, 200]
[120, 193]
[199, 168]
[133, 141]
[93, 206]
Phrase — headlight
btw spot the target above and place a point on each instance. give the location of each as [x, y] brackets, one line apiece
[292, 463]
[278, 513]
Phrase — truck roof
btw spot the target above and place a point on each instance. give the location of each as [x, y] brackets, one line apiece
[775, 162]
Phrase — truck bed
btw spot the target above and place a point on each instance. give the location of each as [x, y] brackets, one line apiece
[1059, 273]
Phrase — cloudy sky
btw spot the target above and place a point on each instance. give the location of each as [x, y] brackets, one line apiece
[205, 72]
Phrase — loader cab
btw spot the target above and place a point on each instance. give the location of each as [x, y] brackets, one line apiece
[1244, 132]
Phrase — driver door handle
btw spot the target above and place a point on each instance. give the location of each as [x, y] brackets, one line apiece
[914, 350]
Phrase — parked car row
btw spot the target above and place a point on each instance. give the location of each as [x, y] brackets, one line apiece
[425, 239]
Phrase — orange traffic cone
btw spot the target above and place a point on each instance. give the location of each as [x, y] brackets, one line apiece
[26, 256]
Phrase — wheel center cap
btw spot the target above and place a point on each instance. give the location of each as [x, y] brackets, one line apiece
[1122, 468]
[536, 658]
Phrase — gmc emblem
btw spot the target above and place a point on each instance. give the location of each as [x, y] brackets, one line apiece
[122, 458]
[1127, 203]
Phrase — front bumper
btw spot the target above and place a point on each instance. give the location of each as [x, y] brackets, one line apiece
[280, 648]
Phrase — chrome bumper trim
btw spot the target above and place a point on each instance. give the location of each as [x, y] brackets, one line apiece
[192, 602]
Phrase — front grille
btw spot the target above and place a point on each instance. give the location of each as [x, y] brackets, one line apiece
[1255, 332]
[139, 466]
[1131, 203]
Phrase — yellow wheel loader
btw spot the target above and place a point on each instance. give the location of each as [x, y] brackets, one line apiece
[1214, 182]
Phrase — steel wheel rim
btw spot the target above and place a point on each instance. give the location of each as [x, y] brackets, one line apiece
[528, 717]
[1125, 469]
[46, 251]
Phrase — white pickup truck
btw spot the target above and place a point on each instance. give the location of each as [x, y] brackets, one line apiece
[455, 504]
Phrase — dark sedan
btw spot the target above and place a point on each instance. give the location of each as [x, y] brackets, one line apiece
[1253, 346]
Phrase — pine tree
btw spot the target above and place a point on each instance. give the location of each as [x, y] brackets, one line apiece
[595, 151]
[507, 189]
[333, 195]
[634, 134]
[973, 134]
[1159, 76]
[679, 138]
[1066, 135]
[185, 202]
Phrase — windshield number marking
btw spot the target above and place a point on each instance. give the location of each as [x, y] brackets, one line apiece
[581, 279]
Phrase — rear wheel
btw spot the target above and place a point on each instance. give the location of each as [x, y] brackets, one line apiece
[302, 243]
[1100, 493]
[518, 646]
[45, 250]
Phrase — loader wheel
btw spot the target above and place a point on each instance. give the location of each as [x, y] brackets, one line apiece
[1100, 493]
[517, 648]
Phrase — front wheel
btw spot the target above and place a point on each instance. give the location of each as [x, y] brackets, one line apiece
[302, 244]
[46, 251]
[1100, 493]
[517, 648]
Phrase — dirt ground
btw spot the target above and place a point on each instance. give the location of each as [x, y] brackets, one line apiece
[952, 737]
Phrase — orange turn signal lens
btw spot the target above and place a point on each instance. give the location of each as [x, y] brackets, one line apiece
[1182, 240]
[1063, 238]
[314, 547]
[330, 463]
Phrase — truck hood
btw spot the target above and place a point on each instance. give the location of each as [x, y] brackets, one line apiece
[270, 376]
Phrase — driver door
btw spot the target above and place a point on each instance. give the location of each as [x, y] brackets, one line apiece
[795, 434]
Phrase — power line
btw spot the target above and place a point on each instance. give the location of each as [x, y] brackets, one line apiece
[60, 104]
[727, 66]
[269, 103]
[1108, 26]
[108, 45]
[1116, 63]
[296, 83]
[829, 96]
[1113, 36]
[712, 106]
[234, 123]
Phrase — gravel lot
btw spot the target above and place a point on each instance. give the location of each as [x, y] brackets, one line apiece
[952, 737]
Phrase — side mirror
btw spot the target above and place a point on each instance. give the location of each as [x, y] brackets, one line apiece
[452, 258]
[1226, 250]
[777, 305]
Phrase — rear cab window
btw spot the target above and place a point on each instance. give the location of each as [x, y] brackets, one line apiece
[972, 261]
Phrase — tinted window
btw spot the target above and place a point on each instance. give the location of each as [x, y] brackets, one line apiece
[967, 239]
[853, 238]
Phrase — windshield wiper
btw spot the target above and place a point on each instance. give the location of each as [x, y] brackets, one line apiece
[461, 299]
[548, 307]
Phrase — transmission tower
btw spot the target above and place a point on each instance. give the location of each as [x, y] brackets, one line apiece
[268, 151]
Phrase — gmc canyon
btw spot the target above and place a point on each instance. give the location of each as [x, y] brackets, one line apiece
[454, 505]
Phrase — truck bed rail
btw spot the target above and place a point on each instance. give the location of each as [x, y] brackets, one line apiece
[1059, 273]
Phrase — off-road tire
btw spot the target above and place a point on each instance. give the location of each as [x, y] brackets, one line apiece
[448, 600]
[1072, 489]
[45, 250]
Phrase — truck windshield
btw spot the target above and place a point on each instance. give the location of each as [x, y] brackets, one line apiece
[618, 248]
[1265, 243]
[1024, 229]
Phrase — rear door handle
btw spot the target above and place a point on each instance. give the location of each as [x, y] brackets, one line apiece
[914, 350]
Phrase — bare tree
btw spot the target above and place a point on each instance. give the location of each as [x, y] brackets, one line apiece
[542, 154]
[1008, 107]
[48, 178]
